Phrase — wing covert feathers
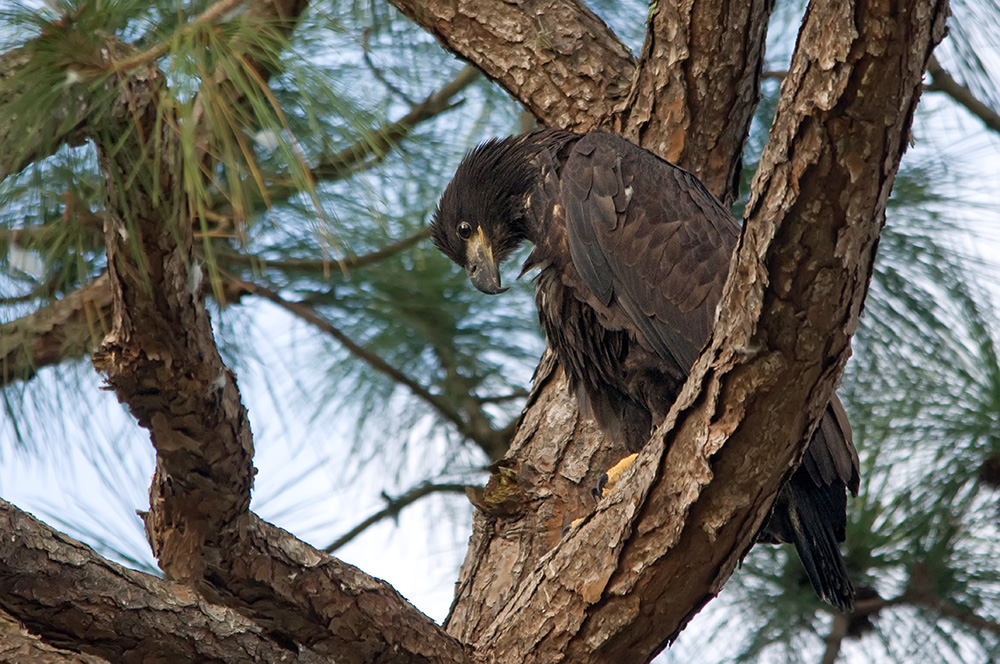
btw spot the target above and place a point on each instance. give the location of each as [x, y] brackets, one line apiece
[649, 241]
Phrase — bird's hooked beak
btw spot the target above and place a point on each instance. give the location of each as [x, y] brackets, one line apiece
[484, 273]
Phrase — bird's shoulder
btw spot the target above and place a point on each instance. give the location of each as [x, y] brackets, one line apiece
[648, 239]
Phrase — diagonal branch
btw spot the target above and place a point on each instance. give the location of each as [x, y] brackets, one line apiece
[533, 50]
[944, 82]
[211, 15]
[393, 507]
[310, 315]
[383, 139]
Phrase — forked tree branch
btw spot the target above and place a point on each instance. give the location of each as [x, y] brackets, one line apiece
[98, 602]
[161, 360]
[677, 526]
[672, 533]
[700, 120]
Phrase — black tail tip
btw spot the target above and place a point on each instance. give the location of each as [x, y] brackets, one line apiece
[841, 597]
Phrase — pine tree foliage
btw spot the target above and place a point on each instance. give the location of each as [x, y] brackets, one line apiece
[310, 228]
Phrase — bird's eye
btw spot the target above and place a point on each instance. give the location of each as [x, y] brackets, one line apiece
[465, 230]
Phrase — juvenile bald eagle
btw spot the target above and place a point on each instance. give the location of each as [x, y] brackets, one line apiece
[633, 253]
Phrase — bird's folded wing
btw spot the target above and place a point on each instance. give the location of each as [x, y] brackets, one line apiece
[651, 243]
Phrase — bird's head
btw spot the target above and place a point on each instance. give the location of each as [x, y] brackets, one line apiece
[480, 219]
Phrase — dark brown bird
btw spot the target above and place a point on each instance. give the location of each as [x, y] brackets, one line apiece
[633, 253]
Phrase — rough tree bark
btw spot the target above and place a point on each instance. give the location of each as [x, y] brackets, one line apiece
[587, 605]
[71, 597]
[672, 533]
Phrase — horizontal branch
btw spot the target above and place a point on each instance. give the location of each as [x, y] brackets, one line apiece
[393, 507]
[72, 598]
[69, 328]
[323, 603]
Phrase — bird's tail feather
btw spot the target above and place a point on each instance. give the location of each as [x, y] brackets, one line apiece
[805, 515]
[816, 543]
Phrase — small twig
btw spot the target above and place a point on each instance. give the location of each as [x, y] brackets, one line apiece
[392, 509]
[838, 632]
[342, 264]
[377, 73]
[380, 141]
[310, 315]
[501, 398]
[373, 147]
[943, 82]
[960, 613]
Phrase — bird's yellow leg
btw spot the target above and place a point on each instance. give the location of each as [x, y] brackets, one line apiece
[607, 482]
[614, 473]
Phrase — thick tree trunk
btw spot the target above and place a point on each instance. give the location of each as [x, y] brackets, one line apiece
[624, 581]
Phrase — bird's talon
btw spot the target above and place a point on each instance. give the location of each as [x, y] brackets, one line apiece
[573, 524]
[598, 491]
[609, 479]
